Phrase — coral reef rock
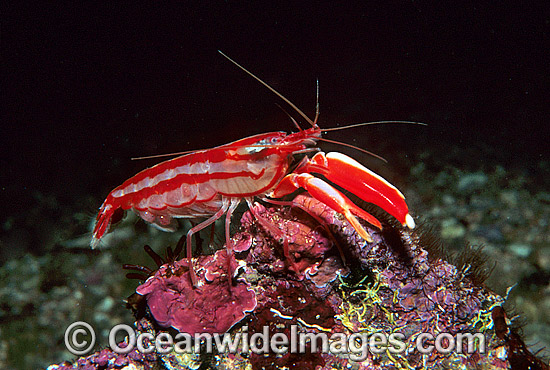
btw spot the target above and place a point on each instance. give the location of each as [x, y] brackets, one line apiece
[334, 302]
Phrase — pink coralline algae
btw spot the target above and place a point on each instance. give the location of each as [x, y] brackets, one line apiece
[331, 282]
[212, 307]
[307, 245]
[107, 359]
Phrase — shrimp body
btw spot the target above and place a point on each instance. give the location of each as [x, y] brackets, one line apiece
[195, 185]
[211, 183]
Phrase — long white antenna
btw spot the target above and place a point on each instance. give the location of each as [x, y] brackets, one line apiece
[272, 90]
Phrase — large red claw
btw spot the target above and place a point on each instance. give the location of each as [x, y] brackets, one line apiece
[330, 196]
[361, 181]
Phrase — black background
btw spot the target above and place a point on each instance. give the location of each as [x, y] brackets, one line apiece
[86, 87]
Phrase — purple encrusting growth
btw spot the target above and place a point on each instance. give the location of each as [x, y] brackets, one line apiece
[394, 284]
[107, 359]
[213, 307]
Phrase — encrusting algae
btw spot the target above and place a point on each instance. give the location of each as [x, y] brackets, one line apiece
[388, 295]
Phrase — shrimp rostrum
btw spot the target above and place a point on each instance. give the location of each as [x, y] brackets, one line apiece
[210, 183]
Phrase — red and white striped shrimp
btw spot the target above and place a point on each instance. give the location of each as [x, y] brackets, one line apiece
[212, 182]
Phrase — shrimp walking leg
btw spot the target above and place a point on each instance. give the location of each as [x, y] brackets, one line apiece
[228, 241]
[271, 229]
[199, 227]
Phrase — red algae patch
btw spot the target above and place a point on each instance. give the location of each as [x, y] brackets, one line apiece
[212, 307]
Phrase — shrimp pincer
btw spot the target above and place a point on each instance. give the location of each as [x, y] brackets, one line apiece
[210, 183]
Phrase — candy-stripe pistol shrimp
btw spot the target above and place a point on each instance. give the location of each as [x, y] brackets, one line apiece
[212, 182]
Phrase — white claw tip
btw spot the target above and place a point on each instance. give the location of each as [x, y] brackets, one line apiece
[409, 221]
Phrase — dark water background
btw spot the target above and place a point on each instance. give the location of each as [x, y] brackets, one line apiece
[85, 87]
